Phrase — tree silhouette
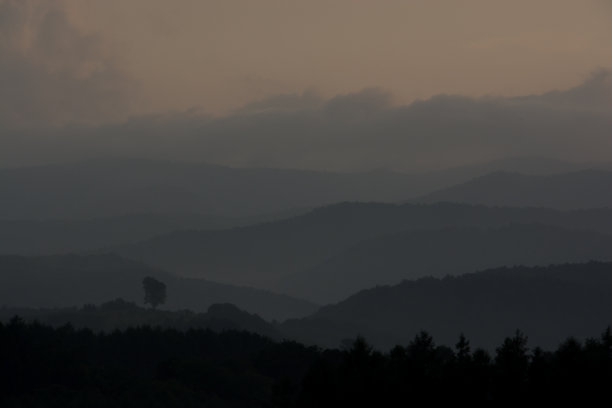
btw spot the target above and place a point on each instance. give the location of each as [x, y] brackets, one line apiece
[65, 366]
[422, 348]
[512, 361]
[155, 291]
[463, 349]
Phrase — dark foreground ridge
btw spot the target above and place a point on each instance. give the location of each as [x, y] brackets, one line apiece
[154, 367]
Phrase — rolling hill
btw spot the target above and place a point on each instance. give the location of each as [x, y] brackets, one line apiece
[73, 280]
[582, 189]
[47, 237]
[452, 251]
[547, 303]
[116, 187]
[121, 315]
[112, 187]
[261, 255]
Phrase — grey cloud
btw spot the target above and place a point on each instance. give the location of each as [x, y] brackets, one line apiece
[594, 94]
[359, 105]
[52, 73]
[358, 131]
[284, 103]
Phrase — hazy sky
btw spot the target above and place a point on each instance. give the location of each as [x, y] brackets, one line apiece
[335, 84]
[218, 55]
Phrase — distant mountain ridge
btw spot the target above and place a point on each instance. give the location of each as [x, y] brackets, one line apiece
[451, 251]
[41, 236]
[48, 237]
[576, 190]
[264, 254]
[112, 187]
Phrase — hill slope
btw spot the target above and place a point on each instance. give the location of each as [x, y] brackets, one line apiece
[262, 254]
[115, 187]
[547, 303]
[71, 280]
[413, 254]
[121, 315]
[47, 237]
[583, 189]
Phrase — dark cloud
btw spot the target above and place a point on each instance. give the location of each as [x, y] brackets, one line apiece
[356, 131]
[51, 72]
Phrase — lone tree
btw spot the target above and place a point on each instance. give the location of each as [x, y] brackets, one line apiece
[155, 291]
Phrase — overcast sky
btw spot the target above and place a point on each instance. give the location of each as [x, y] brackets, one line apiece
[169, 65]
[218, 55]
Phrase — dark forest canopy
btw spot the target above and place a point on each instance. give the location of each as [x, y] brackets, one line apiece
[147, 366]
[119, 314]
[546, 303]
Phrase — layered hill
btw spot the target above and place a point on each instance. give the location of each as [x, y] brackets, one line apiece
[582, 189]
[450, 251]
[547, 303]
[71, 280]
[112, 187]
[261, 255]
[56, 236]
[115, 187]
[121, 315]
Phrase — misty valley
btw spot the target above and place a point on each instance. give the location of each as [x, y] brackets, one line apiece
[361, 294]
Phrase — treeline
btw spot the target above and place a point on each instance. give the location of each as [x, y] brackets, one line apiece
[41, 366]
[121, 315]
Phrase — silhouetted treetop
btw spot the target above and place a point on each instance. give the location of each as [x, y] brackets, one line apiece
[155, 291]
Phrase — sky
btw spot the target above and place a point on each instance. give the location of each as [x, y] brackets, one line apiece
[219, 55]
[206, 65]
